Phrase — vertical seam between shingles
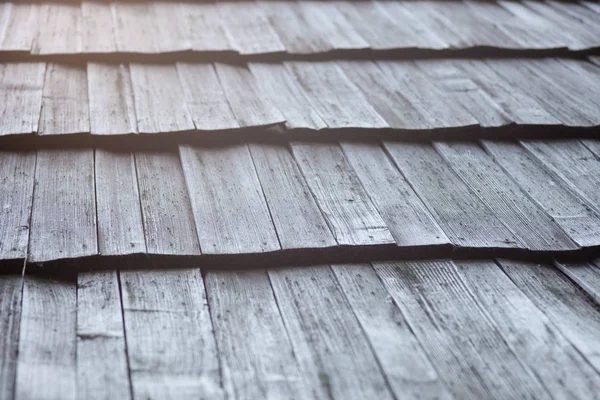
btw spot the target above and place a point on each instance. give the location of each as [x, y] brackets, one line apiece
[118, 272]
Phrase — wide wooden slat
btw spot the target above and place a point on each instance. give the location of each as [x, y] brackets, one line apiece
[59, 30]
[63, 219]
[97, 28]
[205, 28]
[170, 29]
[102, 371]
[229, 207]
[18, 26]
[329, 343]
[352, 217]
[585, 274]
[11, 290]
[134, 28]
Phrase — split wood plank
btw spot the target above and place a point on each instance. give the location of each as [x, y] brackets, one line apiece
[333, 352]
[63, 219]
[134, 29]
[283, 90]
[535, 340]
[205, 98]
[346, 206]
[102, 371]
[584, 274]
[159, 99]
[46, 366]
[229, 207]
[337, 100]
[170, 340]
[257, 359]
[504, 197]
[571, 213]
[11, 291]
[60, 30]
[170, 28]
[250, 106]
[205, 28]
[65, 107]
[166, 210]
[566, 305]
[17, 170]
[18, 26]
[465, 219]
[403, 361]
[97, 28]
[407, 218]
[110, 94]
[120, 228]
[592, 145]
[296, 215]
[465, 345]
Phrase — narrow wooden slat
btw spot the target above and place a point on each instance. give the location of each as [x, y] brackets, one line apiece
[167, 214]
[59, 30]
[18, 26]
[63, 219]
[65, 100]
[120, 228]
[159, 100]
[170, 340]
[465, 219]
[102, 371]
[17, 170]
[585, 274]
[250, 106]
[296, 215]
[170, 29]
[205, 98]
[407, 218]
[205, 28]
[340, 362]
[133, 27]
[402, 359]
[465, 345]
[97, 28]
[11, 290]
[504, 197]
[229, 207]
[112, 108]
[256, 355]
[345, 204]
[46, 366]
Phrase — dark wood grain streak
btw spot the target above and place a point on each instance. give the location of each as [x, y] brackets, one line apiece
[11, 291]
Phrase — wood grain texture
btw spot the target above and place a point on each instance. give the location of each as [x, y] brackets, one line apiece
[59, 30]
[205, 28]
[63, 219]
[405, 215]
[296, 215]
[406, 366]
[18, 26]
[46, 367]
[97, 28]
[11, 290]
[346, 206]
[229, 207]
[17, 170]
[120, 228]
[157, 323]
[110, 94]
[340, 362]
[166, 210]
[465, 345]
[256, 355]
[134, 27]
[20, 97]
[159, 100]
[170, 29]
[65, 106]
[465, 219]
[102, 371]
[585, 274]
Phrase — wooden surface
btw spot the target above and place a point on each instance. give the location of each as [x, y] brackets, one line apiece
[11, 290]
[21, 97]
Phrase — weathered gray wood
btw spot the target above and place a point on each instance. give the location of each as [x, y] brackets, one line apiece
[11, 290]
[571, 213]
[296, 215]
[464, 344]
[20, 97]
[167, 214]
[102, 371]
[205, 28]
[97, 28]
[133, 27]
[331, 347]
[170, 29]
[465, 219]
[257, 359]
[585, 274]
[531, 335]
[112, 108]
[59, 29]
[352, 217]
[46, 366]
[504, 197]
[65, 100]
[250, 106]
[170, 340]
[63, 219]
[335, 99]
[229, 207]
[592, 145]
[402, 359]
[120, 228]
[406, 216]
[17, 171]
[205, 98]
[159, 100]
[18, 26]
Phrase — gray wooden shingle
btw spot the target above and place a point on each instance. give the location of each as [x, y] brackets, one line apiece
[11, 290]
[18, 26]
[20, 97]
